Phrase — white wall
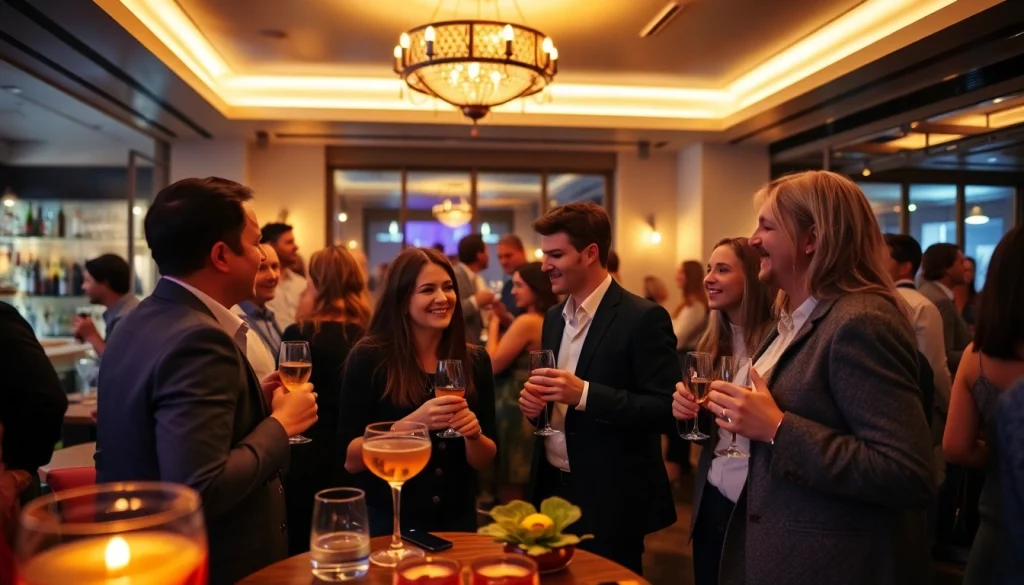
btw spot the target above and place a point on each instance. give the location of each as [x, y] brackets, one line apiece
[291, 178]
[646, 188]
[209, 158]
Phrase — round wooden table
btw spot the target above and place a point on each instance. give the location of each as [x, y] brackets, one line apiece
[586, 568]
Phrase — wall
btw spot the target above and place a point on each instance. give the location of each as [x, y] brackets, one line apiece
[290, 178]
[646, 189]
[209, 158]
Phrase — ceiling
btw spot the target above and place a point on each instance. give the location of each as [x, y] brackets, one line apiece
[42, 126]
[706, 71]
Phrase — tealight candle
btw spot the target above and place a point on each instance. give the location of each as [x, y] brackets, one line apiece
[428, 571]
[134, 558]
[504, 570]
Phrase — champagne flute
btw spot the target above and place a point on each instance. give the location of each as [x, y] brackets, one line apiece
[737, 371]
[295, 368]
[544, 358]
[450, 380]
[396, 452]
[697, 368]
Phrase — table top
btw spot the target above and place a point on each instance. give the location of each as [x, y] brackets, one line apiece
[68, 457]
[79, 412]
[586, 568]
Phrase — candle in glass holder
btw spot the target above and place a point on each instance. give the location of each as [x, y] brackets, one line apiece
[134, 558]
[504, 570]
[428, 571]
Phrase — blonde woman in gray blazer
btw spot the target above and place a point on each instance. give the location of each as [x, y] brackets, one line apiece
[840, 473]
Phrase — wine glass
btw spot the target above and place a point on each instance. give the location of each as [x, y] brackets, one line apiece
[295, 367]
[697, 368]
[396, 452]
[737, 371]
[132, 532]
[544, 358]
[450, 380]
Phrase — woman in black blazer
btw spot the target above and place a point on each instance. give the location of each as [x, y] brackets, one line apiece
[840, 475]
[389, 377]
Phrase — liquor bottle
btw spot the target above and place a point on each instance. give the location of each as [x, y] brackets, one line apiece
[40, 222]
[37, 278]
[61, 223]
[77, 278]
[30, 222]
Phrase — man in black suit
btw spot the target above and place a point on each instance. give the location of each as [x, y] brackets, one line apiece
[178, 401]
[609, 396]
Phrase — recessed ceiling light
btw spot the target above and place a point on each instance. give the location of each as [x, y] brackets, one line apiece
[992, 159]
[12, 88]
[997, 100]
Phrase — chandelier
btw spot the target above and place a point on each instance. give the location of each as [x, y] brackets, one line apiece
[475, 65]
[453, 215]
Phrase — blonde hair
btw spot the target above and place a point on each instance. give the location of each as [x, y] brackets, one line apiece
[755, 308]
[340, 287]
[850, 253]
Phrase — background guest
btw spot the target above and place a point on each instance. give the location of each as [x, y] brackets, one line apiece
[655, 290]
[178, 401]
[690, 316]
[105, 282]
[740, 320]
[942, 268]
[840, 463]
[285, 303]
[476, 298]
[994, 361]
[389, 376]
[337, 319]
[511, 255]
[1010, 420]
[263, 339]
[510, 358]
[965, 296]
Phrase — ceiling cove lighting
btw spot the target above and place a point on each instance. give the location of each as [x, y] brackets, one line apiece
[976, 217]
[239, 92]
[475, 65]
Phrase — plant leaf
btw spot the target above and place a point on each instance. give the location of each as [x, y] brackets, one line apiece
[561, 512]
[513, 511]
[536, 550]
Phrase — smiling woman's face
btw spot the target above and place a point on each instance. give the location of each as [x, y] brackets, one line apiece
[724, 282]
[433, 300]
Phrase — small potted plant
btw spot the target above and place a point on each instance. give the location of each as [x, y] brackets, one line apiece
[539, 535]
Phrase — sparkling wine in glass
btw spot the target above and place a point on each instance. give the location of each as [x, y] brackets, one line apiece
[396, 452]
[697, 368]
[737, 371]
[544, 358]
[450, 380]
[295, 366]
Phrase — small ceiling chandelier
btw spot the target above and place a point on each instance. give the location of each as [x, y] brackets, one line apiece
[453, 215]
[475, 65]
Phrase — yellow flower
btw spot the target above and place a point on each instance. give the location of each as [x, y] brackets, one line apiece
[537, 522]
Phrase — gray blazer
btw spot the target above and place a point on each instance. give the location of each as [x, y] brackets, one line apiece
[470, 312]
[841, 498]
[954, 329]
[178, 402]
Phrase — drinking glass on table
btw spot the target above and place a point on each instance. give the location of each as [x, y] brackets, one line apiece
[295, 366]
[428, 571]
[737, 371]
[504, 570]
[697, 368]
[544, 358]
[396, 452]
[450, 380]
[132, 532]
[339, 544]
[87, 369]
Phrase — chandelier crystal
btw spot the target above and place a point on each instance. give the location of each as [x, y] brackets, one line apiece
[475, 64]
[453, 215]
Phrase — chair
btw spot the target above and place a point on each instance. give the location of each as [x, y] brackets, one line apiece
[71, 477]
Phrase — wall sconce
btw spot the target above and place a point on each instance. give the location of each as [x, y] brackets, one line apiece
[342, 217]
[655, 234]
[352, 244]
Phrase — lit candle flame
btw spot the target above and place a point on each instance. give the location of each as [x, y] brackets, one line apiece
[117, 554]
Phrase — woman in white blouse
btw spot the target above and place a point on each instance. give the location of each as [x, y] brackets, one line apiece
[689, 317]
[741, 318]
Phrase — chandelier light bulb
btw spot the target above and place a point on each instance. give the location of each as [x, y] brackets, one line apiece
[547, 45]
[496, 76]
[474, 70]
[403, 41]
[430, 35]
[553, 53]
[398, 52]
[507, 33]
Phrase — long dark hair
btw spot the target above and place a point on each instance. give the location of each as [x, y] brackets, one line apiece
[756, 307]
[693, 287]
[391, 329]
[540, 284]
[999, 330]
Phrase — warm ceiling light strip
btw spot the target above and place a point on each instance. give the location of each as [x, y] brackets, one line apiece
[171, 25]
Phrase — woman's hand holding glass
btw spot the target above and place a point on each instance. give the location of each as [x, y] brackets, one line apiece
[436, 413]
[749, 413]
[684, 404]
[467, 425]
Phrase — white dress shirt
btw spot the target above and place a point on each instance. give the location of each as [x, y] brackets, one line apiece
[577, 323]
[231, 323]
[256, 351]
[286, 298]
[927, 322]
[729, 474]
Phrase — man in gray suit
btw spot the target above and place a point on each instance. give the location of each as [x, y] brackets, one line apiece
[942, 268]
[178, 400]
[473, 291]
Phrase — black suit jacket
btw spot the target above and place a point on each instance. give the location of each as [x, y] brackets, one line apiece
[178, 402]
[614, 446]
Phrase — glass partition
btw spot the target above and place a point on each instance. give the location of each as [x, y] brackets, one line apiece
[990, 213]
[933, 214]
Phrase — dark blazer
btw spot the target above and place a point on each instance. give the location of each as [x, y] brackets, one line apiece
[466, 287]
[179, 402]
[842, 496]
[614, 446]
[954, 329]
[32, 402]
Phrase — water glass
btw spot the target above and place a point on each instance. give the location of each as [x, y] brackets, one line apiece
[339, 544]
[87, 369]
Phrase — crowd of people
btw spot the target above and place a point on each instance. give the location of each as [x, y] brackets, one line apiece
[875, 367]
